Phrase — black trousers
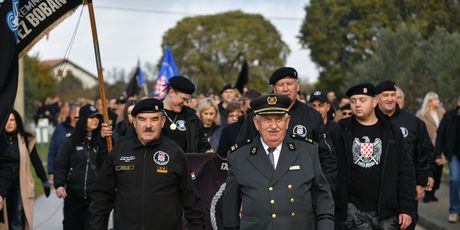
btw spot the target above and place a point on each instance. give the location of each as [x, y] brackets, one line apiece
[76, 212]
[15, 210]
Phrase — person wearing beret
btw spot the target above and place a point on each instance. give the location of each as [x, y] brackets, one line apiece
[305, 121]
[146, 178]
[276, 177]
[76, 166]
[375, 179]
[182, 124]
[416, 138]
[227, 95]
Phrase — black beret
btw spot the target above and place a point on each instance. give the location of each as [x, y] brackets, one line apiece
[318, 95]
[271, 104]
[148, 105]
[182, 84]
[283, 72]
[88, 111]
[227, 86]
[387, 85]
[362, 89]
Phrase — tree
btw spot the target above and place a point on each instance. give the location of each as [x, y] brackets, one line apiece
[39, 84]
[342, 33]
[210, 49]
[416, 64]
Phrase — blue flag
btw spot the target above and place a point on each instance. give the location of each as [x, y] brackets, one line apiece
[167, 70]
[140, 75]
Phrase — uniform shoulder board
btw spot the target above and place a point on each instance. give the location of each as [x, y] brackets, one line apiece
[306, 139]
[238, 145]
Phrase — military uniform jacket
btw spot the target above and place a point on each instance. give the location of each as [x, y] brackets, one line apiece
[294, 196]
[149, 186]
[306, 122]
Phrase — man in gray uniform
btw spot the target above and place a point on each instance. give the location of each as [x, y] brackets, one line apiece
[276, 181]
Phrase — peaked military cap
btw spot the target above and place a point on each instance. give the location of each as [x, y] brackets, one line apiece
[283, 72]
[148, 105]
[362, 89]
[271, 104]
[182, 84]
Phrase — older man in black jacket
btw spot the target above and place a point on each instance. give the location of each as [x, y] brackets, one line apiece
[147, 179]
[375, 179]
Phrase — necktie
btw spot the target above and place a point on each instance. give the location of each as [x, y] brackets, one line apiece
[271, 157]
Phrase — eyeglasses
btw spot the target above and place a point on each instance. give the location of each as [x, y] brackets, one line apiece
[345, 113]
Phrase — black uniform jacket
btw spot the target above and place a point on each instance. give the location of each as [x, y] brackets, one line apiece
[447, 134]
[294, 196]
[76, 167]
[397, 183]
[417, 141]
[305, 122]
[149, 186]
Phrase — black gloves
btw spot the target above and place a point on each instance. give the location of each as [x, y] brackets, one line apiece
[47, 188]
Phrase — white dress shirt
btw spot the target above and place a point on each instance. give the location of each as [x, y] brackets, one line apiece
[276, 153]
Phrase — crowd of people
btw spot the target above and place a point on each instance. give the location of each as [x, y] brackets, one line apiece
[361, 162]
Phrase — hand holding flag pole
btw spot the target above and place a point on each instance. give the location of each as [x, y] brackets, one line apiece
[100, 76]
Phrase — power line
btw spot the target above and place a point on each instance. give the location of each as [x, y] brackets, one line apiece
[150, 11]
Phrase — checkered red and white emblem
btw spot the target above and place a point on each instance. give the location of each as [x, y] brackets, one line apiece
[366, 149]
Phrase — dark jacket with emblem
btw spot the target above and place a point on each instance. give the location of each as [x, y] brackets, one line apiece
[397, 182]
[147, 191]
[294, 196]
[76, 167]
[62, 131]
[195, 142]
[417, 141]
[307, 122]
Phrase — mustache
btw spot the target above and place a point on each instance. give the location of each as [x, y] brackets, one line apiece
[273, 129]
[148, 130]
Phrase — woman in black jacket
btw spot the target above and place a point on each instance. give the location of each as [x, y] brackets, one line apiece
[76, 168]
[18, 149]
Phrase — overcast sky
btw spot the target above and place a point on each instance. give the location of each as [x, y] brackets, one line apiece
[125, 36]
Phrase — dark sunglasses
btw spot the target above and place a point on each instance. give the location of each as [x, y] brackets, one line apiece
[345, 113]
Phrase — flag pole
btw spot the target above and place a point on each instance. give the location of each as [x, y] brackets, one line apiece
[100, 76]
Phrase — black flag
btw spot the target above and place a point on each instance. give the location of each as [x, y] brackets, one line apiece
[8, 58]
[132, 88]
[243, 78]
[37, 18]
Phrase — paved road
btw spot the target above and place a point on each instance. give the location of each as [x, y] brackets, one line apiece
[48, 213]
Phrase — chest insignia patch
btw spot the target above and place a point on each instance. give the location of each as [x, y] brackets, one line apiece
[161, 158]
[78, 148]
[181, 125]
[300, 130]
[124, 168]
[162, 169]
[404, 131]
[127, 159]
[367, 154]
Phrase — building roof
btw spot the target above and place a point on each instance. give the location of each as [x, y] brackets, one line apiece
[52, 63]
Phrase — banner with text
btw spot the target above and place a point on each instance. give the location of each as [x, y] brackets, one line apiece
[38, 17]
